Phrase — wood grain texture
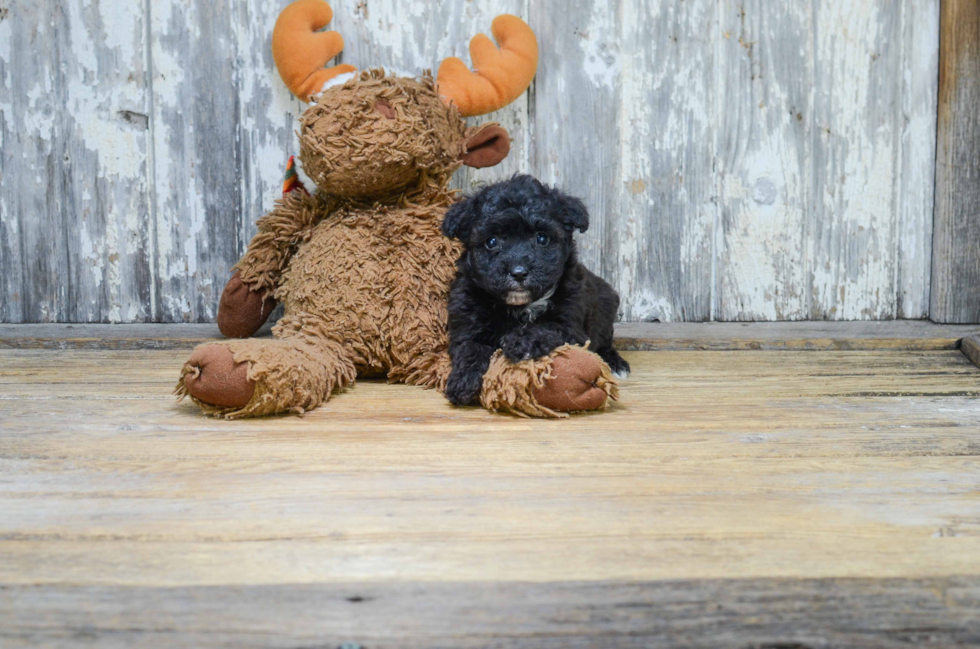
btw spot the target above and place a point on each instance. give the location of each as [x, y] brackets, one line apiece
[198, 160]
[749, 161]
[827, 119]
[828, 499]
[956, 245]
[971, 349]
[915, 194]
[268, 117]
[196, 155]
[620, 119]
[742, 161]
[763, 160]
[774, 614]
[632, 336]
[74, 200]
[857, 79]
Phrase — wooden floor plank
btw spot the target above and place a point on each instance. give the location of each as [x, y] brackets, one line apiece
[709, 614]
[790, 488]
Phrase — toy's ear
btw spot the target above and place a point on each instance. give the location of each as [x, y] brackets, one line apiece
[486, 145]
[459, 219]
[573, 213]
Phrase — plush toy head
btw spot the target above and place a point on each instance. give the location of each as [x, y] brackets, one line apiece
[377, 134]
[368, 135]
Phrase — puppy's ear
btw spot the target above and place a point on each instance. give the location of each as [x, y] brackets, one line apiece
[459, 219]
[573, 214]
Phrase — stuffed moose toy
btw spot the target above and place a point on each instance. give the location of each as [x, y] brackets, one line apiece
[360, 265]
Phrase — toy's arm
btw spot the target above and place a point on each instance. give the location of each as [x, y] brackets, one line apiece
[249, 296]
[280, 232]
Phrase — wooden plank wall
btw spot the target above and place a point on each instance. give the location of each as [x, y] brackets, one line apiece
[956, 249]
[742, 160]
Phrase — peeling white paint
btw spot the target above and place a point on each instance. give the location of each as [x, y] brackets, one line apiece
[645, 306]
[762, 240]
[635, 167]
[600, 54]
[804, 161]
[118, 19]
[853, 269]
[915, 193]
[39, 119]
[6, 79]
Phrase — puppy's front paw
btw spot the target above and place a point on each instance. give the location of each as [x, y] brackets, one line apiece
[463, 389]
[523, 345]
[620, 368]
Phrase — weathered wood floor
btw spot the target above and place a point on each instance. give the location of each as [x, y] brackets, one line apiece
[732, 498]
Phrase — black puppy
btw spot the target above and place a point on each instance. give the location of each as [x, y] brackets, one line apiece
[519, 286]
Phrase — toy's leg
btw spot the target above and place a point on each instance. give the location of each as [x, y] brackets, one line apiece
[249, 378]
[430, 370]
[571, 379]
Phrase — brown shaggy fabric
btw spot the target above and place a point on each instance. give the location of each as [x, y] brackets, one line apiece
[280, 233]
[375, 276]
[361, 267]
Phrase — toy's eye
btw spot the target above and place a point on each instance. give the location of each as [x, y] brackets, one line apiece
[491, 243]
[542, 239]
[385, 108]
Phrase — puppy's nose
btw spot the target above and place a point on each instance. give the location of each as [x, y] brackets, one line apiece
[519, 273]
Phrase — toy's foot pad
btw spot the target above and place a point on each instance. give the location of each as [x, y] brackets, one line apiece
[576, 384]
[212, 376]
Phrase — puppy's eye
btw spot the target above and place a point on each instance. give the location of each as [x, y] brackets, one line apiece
[542, 239]
[491, 243]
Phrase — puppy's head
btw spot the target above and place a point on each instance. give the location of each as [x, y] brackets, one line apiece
[517, 236]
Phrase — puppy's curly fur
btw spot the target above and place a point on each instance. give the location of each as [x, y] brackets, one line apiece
[519, 286]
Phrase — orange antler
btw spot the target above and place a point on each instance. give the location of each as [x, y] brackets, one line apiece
[300, 51]
[500, 76]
